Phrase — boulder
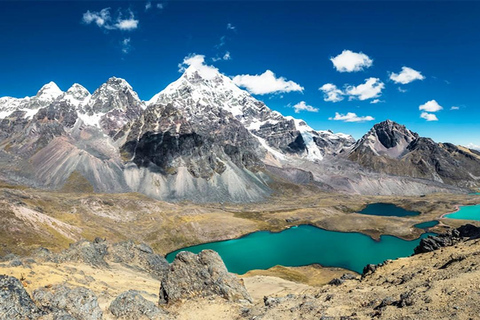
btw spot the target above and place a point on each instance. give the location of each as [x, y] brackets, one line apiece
[81, 303]
[15, 303]
[140, 256]
[200, 275]
[130, 305]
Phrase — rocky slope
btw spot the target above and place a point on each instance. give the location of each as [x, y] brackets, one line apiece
[391, 148]
[440, 284]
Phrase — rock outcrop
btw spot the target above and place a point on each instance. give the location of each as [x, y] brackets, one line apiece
[100, 253]
[199, 276]
[15, 303]
[78, 302]
[449, 238]
[130, 305]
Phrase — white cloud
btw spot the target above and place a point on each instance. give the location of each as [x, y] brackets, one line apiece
[230, 26]
[473, 146]
[99, 18]
[350, 117]
[331, 92]
[400, 89]
[197, 61]
[428, 116]
[225, 57]
[104, 20]
[221, 43]
[302, 106]
[148, 5]
[407, 75]
[159, 5]
[349, 61]
[372, 88]
[266, 83]
[126, 47]
[455, 108]
[376, 101]
[127, 24]
[430, 106]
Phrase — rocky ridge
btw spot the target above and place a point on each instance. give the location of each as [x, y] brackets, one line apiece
[393, 149]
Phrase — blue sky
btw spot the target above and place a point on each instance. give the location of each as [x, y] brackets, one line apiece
[68, 42]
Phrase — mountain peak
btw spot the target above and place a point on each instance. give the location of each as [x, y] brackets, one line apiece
[387, 138]
[49, 91]
[118, 82]
[201, 72]
[78, 90]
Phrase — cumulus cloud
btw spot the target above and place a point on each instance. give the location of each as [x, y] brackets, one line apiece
[430, 106]
[197, 61]
[400, 89]
[350, 117]
[126, 24]
[302, 106]
[372, 88]
[349, 61]
[454, 108]
[331, 92]
[266, 83]
[407, 75]
[103, 19]
[428, 116]
[375, 101]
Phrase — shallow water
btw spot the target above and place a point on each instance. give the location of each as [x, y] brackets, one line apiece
[466, 213]
[388, 210]
[304, 245]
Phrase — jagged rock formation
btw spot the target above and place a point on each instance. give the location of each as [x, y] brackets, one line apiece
[450, 238]
[131, 305]
[203, 275]
[391, 148]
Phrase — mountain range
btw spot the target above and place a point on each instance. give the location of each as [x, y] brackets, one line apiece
[204, 139]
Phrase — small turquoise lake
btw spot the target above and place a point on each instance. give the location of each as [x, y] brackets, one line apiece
[304, 245]
[466, 213]
[425, 225]
[387, 210]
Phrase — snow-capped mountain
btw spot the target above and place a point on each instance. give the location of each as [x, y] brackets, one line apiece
[201, 95]
[201, 138]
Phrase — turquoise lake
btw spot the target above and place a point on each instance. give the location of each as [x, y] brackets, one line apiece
[466, 213]
[304, 245]
[425, 225]
[388, 210]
